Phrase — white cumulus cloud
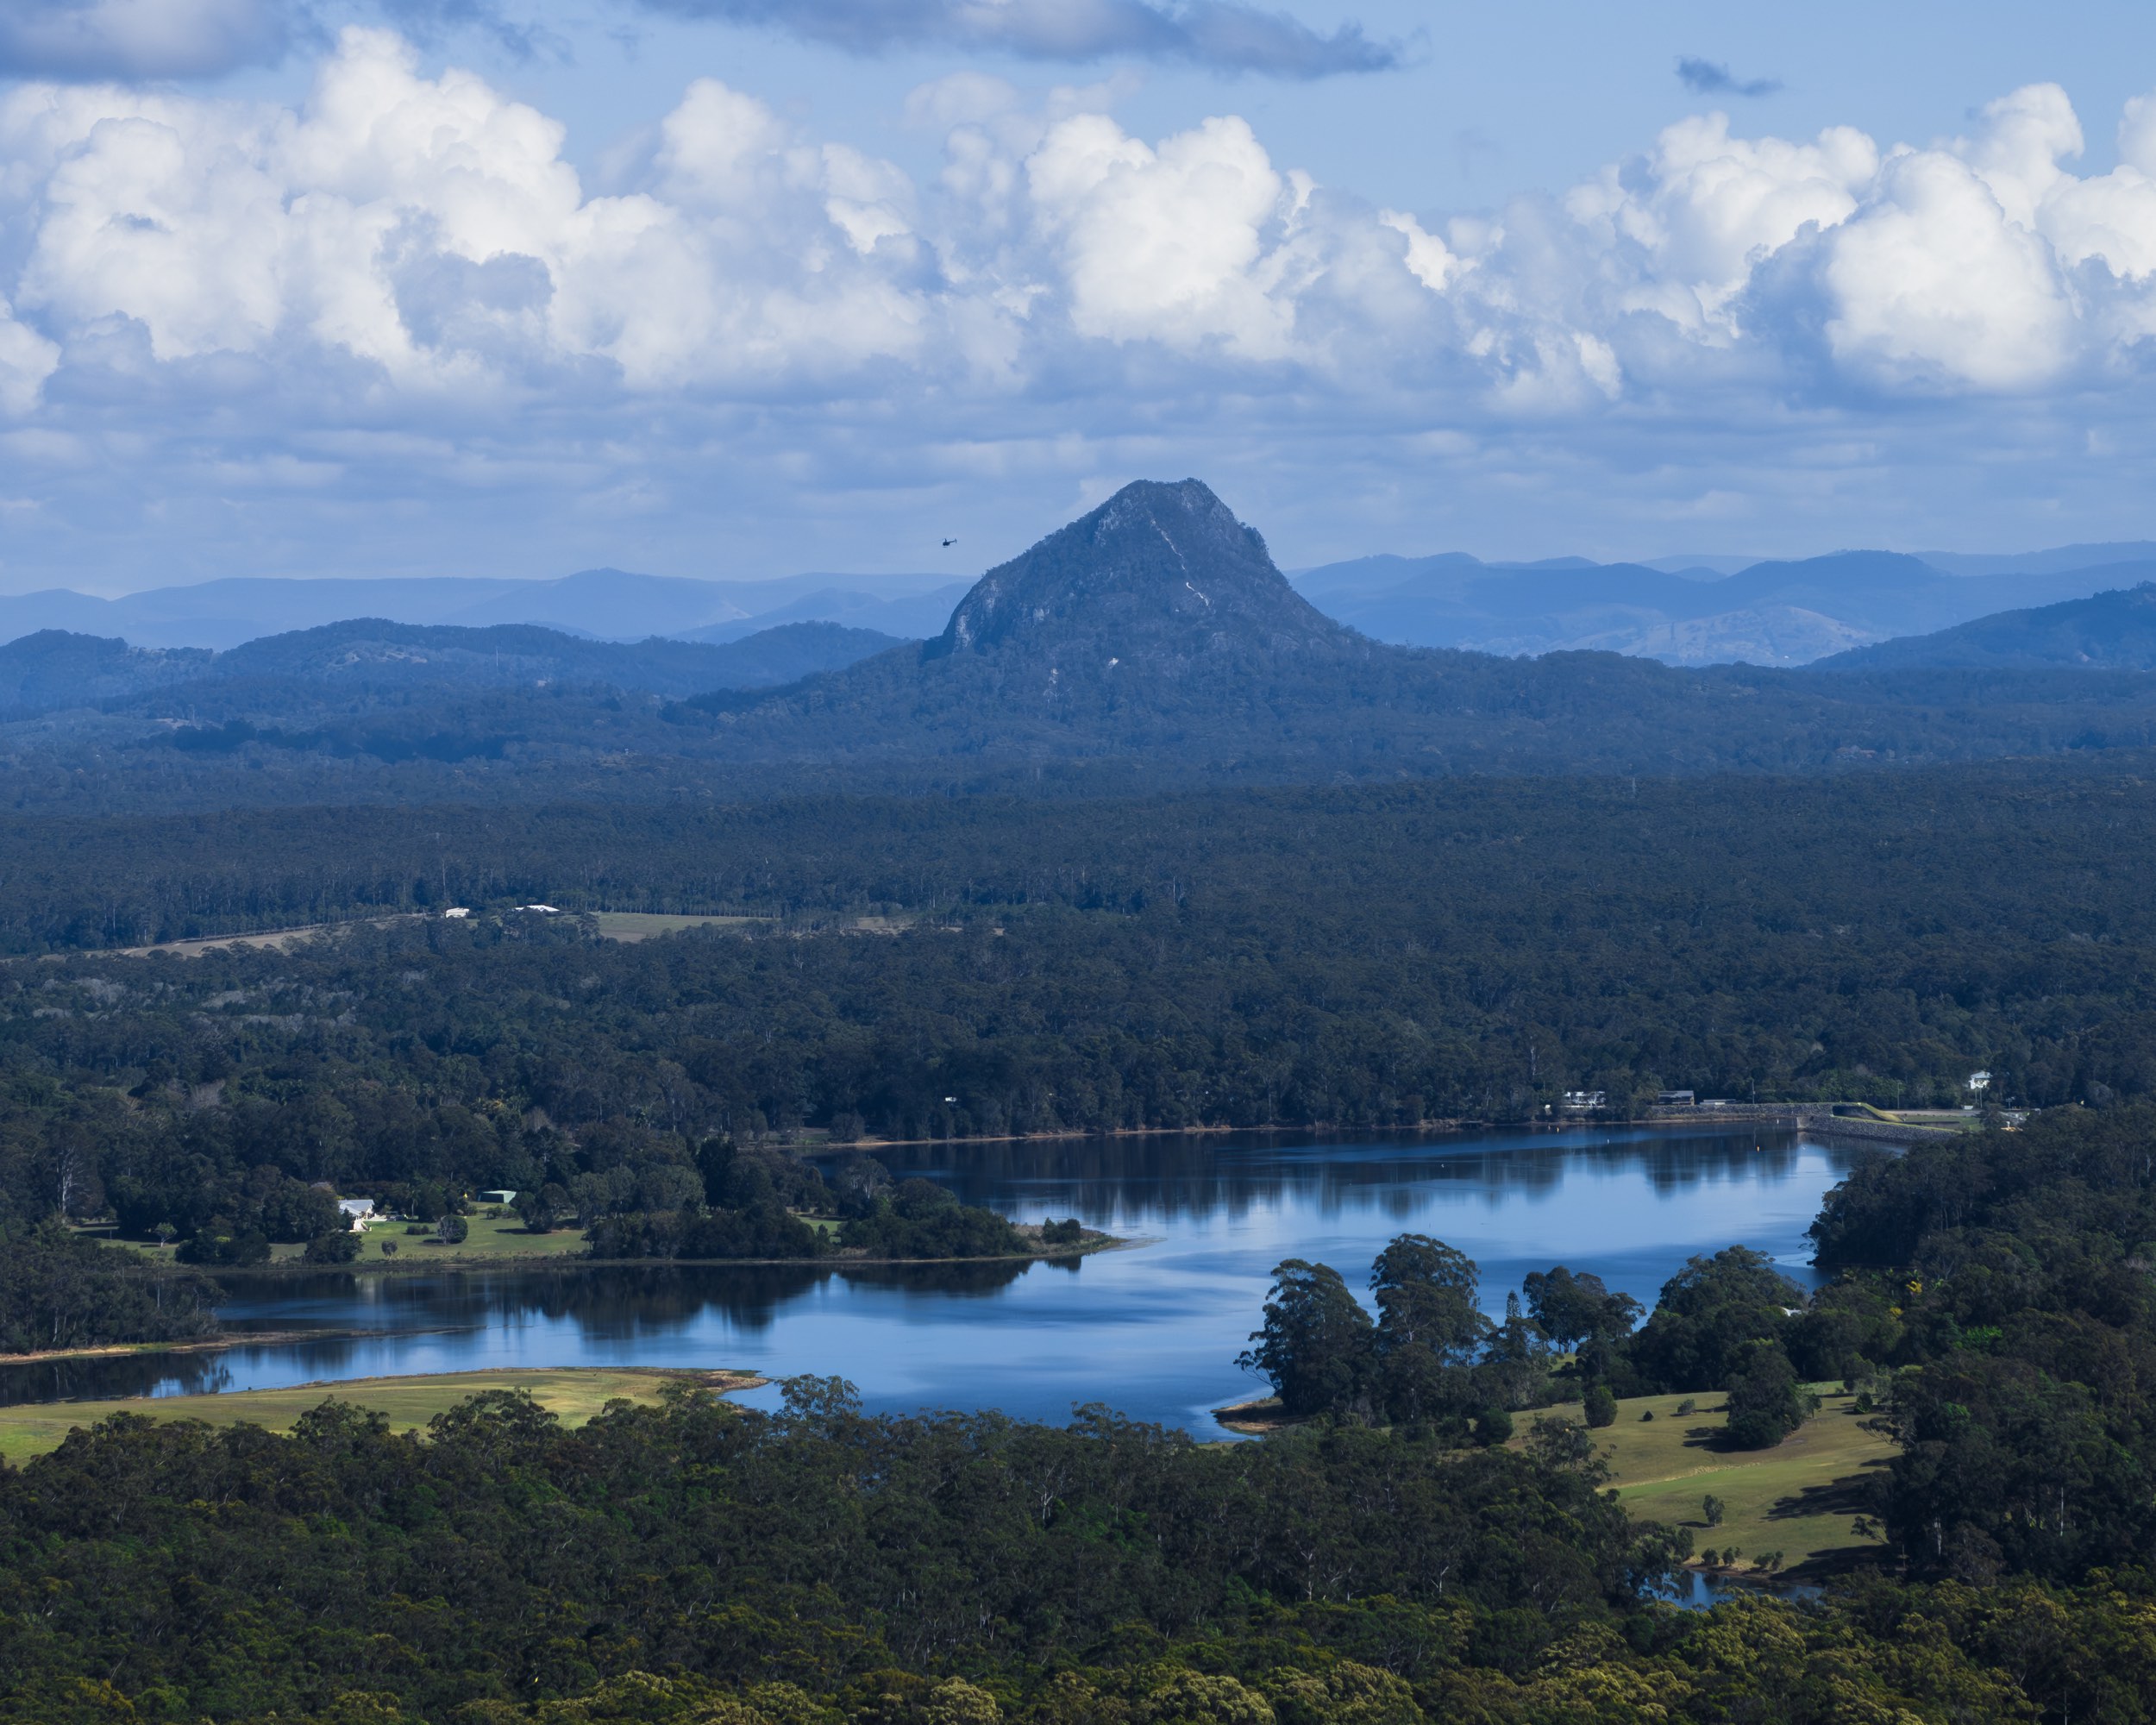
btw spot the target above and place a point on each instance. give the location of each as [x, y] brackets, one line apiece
[432, 227]
[404, 277]
[1689, 222]
[27, 359]
[1932, 282]
[1190, 243]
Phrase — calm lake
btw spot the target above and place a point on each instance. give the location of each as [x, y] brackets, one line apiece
[1152, 1329]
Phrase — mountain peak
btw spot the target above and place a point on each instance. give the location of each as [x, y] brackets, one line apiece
[1159, 570]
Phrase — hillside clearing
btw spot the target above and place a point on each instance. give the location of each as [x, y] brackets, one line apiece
[572, 1394]
[1798, 1498]
[631, 927]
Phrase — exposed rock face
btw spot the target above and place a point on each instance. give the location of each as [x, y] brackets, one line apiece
[1155, 635]
[1157, 575]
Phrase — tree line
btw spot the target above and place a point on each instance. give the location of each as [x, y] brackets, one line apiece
[692, 1562]
[1354, 959]
[1970, 850]
[1395, 1559]
[1730, 1323]
[59, 1290]
[1994, 1302]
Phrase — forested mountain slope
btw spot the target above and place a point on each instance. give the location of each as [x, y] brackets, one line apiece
[1158, 628]
[329, 668]
[2114, 630]
[1151, 643]
[53, 668]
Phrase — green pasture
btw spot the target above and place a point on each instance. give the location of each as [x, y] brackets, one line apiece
[572, 1394]
[490, 1237]
[1798, 1498]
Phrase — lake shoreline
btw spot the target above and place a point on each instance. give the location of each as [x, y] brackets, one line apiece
[1153, 1332]
[294, 1269]
[218, 1344]
[1259, 1417]
[1805, 1117]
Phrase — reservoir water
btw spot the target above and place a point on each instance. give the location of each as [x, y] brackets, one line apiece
[1151, 1329]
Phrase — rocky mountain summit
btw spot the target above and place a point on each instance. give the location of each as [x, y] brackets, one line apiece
[1151, 642]
[1160, 572]
[1156, 630]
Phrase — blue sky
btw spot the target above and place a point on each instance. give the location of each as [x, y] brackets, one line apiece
[734, 288]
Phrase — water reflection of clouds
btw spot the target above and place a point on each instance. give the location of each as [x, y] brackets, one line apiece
[1154, 1329]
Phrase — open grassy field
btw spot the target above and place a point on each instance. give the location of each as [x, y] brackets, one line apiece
[633, 925]
[491, 1238]
[572, 1394]
[278, 937]
[1798, 1498]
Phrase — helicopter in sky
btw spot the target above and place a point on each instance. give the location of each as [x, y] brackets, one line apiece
[948, 543]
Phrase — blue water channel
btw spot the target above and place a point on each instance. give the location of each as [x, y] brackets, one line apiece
[1151, 1329]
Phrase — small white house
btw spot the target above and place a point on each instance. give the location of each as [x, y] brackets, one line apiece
[500, 1197]
[1979, 1082]
[458, 911]
[359, 1212]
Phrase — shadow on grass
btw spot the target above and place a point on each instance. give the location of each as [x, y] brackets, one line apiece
[1853, 1494]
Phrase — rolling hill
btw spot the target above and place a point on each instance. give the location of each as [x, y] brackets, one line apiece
[294, 673]
[55, 669]
[2113, 631]
[1784, 613]
[608, 605]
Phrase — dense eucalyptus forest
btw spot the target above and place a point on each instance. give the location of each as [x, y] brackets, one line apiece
[1358, 959]
[1141, 842]
[1994, 1295]
[1425, 1546]
[693, 1562]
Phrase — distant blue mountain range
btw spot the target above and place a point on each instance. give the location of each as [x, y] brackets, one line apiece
[1711, 610]
[605, 605]
[1767, 613]
[366, 659]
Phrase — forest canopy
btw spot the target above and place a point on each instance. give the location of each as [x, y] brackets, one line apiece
[692, 1562]
[1358, 959]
